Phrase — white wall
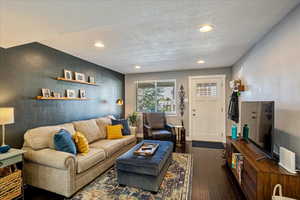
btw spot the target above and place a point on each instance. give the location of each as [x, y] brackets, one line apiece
[181, 79]
[271, 71]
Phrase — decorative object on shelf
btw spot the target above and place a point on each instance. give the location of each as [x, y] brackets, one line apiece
[71, 94]
[246, 132]
[56, 94]
[82, 93]
[68, 74]
[234, 134]
[237, 86]
[120, 102]
[6, 117]
[91, 79]
[133, 119]
[46, 92]
[79, 77]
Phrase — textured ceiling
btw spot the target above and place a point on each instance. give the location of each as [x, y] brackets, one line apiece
[157, 35]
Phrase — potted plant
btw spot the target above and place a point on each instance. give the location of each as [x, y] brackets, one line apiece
[133, 119]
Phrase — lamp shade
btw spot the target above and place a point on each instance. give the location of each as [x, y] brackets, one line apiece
[7, 116]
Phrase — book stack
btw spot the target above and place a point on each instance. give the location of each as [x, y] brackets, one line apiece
[237, 164]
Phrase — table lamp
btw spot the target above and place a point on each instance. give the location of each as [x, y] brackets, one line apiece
[6, 117]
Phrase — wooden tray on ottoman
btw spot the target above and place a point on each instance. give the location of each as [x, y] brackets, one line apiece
[146, 149]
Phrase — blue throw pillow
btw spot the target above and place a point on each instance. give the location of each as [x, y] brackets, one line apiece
[63, 142]
[124, 122]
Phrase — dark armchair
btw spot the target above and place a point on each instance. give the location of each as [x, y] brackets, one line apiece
[156, 127]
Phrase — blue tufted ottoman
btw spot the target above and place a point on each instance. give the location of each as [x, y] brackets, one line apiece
[145, 172]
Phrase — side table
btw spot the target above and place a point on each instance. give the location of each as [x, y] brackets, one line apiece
[12, 184]
[180, 135]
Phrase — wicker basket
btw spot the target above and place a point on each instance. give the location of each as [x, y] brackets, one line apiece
[11, 185]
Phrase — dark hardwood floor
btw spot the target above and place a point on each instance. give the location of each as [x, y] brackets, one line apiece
[211, 179]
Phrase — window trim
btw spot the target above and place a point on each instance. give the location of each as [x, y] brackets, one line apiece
[157, 81]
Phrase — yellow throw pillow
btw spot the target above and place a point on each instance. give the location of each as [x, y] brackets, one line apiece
[114, 131]
[81, 143]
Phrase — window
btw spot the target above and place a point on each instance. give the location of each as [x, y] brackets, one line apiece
[207, 89]
[156, 96]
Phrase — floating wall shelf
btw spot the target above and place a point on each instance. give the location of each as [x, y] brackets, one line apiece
[61, 98]
[75, 81]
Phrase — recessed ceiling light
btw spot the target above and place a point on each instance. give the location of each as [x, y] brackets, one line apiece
[138, 67]
[200, 61]
[206, 28]
[99, 44]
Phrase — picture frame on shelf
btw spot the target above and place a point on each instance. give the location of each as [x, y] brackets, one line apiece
[46, 92]
[56, 94]
[79, 77]
[68, 75]
[71, 93]
[82, 93]
[91, 79]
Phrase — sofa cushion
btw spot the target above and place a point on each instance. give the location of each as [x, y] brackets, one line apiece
[63, 142]
[86, 161]
[161, 134]
[69, 127]
[109, 146]
[128, 139]
[155, 120]
[89, 129]
[102, 122]
[41, 137]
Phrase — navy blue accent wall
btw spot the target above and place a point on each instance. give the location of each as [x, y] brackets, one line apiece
[26, 69]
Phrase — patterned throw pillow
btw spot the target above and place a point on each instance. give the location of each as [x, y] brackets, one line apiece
[63, 142]
[114, 131]
[81, 143]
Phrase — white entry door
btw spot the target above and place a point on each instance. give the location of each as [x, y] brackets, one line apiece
[207, 108]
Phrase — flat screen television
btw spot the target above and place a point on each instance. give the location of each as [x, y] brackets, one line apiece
[259, 116]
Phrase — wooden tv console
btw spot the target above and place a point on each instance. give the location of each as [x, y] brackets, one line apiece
[259, 176]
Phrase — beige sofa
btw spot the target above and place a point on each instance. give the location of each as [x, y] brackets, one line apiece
[64, 173]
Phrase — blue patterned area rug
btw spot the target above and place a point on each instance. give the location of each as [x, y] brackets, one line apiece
[177, 184]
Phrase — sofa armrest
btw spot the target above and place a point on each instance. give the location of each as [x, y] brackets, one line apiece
[147, 131]
[50, 158]
[171, 128]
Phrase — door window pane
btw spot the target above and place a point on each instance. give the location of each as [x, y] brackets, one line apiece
[207, 89]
